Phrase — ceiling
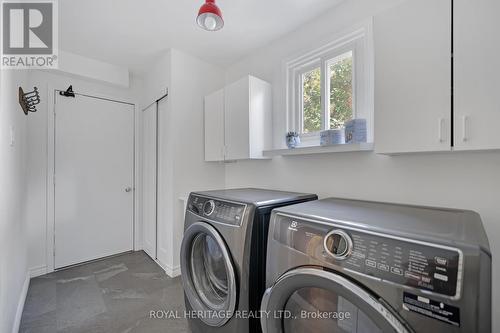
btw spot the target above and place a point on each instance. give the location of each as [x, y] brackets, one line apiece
[133, 32]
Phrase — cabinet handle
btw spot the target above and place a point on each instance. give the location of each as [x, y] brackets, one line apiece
[465, 128]
[441, 123]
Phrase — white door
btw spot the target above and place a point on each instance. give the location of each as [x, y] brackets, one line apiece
[413, 77]
[476, 67]
[94, 197]
[149, 175]
[214, 126]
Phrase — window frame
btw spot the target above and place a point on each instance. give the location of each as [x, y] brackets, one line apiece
[359, 41]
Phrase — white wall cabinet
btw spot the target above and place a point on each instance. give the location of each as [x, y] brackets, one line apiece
[477, 70]
[238, 121]
[413, 77]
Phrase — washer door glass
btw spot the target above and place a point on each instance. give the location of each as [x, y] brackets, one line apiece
[307, 300]
[208, 274]
[209, 271]
[320, 310]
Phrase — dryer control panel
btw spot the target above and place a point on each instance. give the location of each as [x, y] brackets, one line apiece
[407, 262]
[216, 210]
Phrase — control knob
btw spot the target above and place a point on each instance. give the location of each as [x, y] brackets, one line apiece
[208, 207]
[338, 244]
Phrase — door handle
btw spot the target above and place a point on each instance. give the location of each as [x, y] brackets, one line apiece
[465, 128]
[441, 130]
[128, 189]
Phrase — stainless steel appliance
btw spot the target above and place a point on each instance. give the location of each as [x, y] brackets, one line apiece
[223, 256]
[339, 265]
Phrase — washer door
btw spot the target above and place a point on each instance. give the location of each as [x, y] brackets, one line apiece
[313, 300]
[208, 275]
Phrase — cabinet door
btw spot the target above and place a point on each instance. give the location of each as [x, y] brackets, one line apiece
[214, 126]
[236, 113]
[413, 77]
[477, 70]
[260, 118]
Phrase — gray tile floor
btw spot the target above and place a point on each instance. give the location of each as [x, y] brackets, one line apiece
[112, 295]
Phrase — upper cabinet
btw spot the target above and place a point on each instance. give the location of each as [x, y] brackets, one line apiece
[477, 71]
[238, 121]
[413, 77]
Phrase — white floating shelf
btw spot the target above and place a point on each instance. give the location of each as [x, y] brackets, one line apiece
[343, 148]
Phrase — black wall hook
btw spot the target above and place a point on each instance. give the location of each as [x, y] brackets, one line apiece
[29, 100]
[68, 93]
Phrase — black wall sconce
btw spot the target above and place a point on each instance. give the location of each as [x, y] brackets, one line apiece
[29, 100]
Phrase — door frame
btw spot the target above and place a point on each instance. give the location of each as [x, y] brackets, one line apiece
[50, 185]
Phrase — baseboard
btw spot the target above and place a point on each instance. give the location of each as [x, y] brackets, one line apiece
[20, 304]
[171, 271]
[38, 271]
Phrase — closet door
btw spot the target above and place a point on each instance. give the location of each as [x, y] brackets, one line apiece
[477, 70]
[149, 175]
[413, 77]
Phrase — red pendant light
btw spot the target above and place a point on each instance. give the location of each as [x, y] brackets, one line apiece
[210, 16]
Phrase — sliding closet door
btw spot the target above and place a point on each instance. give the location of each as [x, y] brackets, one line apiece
[149, 176]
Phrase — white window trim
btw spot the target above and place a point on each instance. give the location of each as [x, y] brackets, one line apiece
[359, 40]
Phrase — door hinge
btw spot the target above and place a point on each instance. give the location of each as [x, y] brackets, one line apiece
[54, 179]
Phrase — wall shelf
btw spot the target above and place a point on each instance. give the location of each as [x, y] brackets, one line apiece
[343, 148]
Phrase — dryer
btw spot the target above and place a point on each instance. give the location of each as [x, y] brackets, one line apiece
[223, 255]
[338, 265]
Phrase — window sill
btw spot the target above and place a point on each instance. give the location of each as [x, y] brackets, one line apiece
[343, 148]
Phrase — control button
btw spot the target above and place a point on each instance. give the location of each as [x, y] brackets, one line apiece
[441, 277]
[237, 217]
[426, 279]
[441, 261]
[338, 244]
[358, 255]
[396, 270]
[383, 267]
[412, 276]
[370, 263]
[209, 207]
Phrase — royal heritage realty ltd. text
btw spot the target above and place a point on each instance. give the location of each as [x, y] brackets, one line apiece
[281, 314]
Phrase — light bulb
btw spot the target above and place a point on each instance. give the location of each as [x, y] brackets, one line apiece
[210, 23]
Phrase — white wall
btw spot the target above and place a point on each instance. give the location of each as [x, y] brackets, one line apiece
[86, 68]
[13, 166]
[192, 80]
[461, 180]
[181, 162]
[36, 200]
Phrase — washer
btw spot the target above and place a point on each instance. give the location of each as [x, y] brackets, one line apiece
[339, 265]
[223, 255]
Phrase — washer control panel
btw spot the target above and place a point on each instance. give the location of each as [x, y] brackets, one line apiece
[216, 210]
[405, 262]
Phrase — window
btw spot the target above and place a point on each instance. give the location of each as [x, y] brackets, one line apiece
[331, 85]
[311, 101]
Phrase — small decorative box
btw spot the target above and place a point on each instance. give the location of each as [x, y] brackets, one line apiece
[332, 137]
[355, 131]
